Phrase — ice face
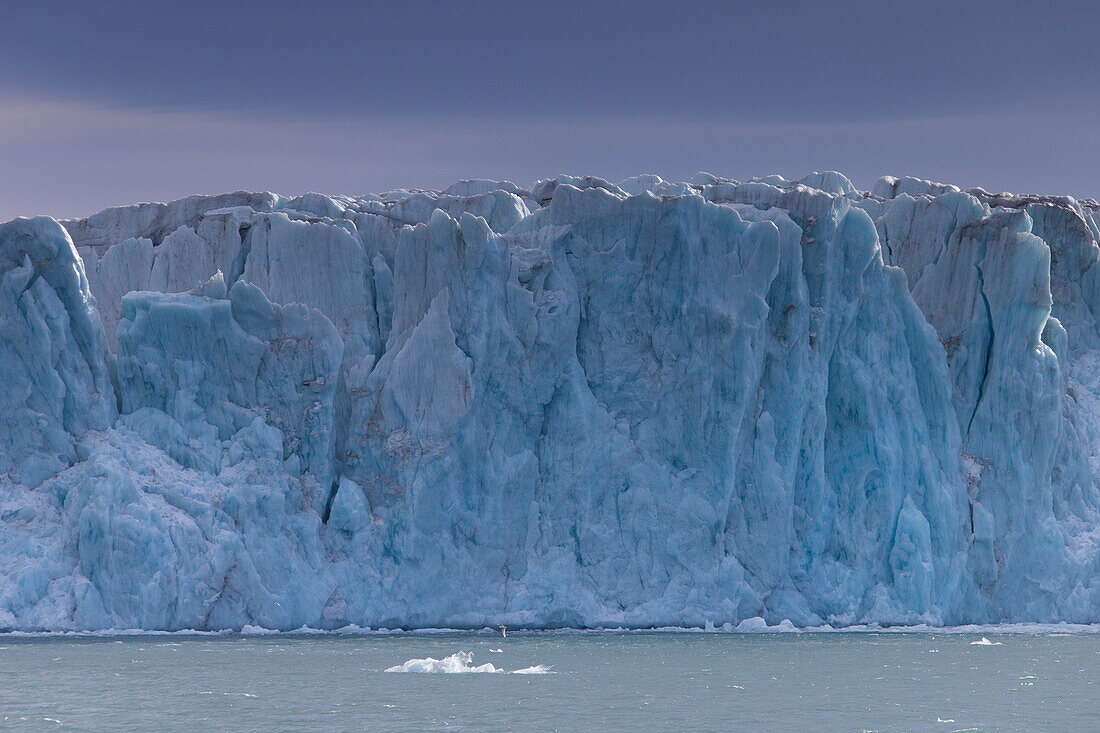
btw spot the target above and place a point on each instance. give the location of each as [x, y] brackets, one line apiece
[210, 367]
[578, 403]
[52, 352]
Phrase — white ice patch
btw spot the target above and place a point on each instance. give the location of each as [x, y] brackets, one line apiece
[460, 663]
[758, 625]
[537, 669]
[249, 630]
[985, 642]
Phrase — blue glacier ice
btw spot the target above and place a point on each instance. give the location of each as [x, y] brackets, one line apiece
[576, 403]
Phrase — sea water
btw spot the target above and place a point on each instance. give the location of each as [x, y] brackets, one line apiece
[554, 682]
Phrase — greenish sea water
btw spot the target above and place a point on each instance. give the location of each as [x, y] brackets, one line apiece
[595, 682]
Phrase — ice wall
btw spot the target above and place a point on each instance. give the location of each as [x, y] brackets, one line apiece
[55, 379]
[576, 403]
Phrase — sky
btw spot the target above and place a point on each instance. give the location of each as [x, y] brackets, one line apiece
[111, 103]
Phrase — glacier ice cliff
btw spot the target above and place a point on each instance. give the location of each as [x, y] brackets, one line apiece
[578, 403]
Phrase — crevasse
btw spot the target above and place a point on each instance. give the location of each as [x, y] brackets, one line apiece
[572, 404]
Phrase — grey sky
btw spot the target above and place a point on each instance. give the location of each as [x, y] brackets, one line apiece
[110, 103]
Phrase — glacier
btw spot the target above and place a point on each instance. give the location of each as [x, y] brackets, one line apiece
[575, 404]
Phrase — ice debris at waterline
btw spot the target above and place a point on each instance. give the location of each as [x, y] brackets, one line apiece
[460, 663]
[985, 642]
[573, 404]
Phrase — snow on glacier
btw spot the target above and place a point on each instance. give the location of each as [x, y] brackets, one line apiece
[577, 403]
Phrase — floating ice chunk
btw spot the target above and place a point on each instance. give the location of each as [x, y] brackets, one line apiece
[462, 663]
[458, 663]
[985, 642]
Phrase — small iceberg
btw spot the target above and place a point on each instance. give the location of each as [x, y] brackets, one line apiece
[460, 663]
[985, 642]
[496, 651]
